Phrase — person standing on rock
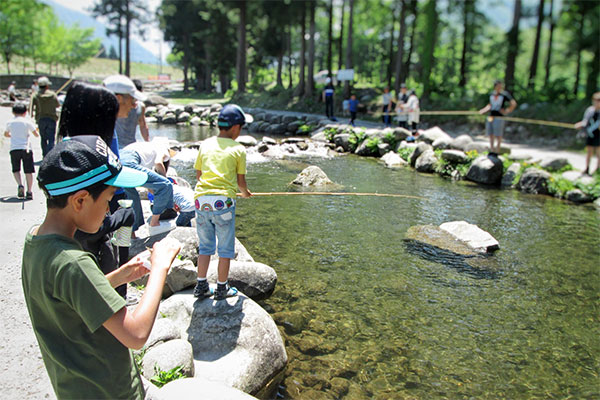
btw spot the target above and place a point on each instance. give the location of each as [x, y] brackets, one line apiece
[45, 103]
[221, 170]
[83, 327]
[591, 124]
[402, 99]
[494, 125]
[126, 126]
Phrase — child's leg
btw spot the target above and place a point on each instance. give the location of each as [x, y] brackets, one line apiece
[597, 158]
[203, 262]
[223, 272]
[17, 176]
[588, 158]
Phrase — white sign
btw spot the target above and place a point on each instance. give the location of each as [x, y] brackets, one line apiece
[345, 75]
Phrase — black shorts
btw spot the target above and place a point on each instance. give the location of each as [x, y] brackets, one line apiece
[27, 156]
[593, 141]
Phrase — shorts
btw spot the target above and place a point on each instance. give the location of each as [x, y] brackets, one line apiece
[219, 225]
[495, 126]
[593, 140]
[27, 156]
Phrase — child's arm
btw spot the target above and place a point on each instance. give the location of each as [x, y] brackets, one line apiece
[7, 133]
[132, 328]
[36, 132]
[241, 181]
[130, 271]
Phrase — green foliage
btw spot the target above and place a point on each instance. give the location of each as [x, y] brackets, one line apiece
[306, 128]
[390, 138]
[330, 133]
[372, 144]
[559, 186]
[356, 138]
[161, 378]
[406, 152]
[138, 356]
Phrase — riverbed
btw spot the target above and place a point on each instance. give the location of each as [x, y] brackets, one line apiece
[366, 315]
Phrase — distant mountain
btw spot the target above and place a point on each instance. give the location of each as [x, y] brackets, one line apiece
[70, 17]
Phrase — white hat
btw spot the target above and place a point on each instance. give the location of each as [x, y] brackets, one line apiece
[44, 81]
[120, 84]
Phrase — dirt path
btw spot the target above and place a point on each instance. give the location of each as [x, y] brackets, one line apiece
[22, 371]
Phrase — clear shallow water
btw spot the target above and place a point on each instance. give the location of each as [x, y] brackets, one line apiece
[364, 315]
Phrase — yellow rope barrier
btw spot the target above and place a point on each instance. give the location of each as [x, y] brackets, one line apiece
[261, 194]
[511, 119]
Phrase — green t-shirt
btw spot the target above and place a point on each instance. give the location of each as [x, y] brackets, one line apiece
[69, 299]
[220, 160]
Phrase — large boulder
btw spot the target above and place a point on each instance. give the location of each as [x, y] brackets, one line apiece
[168, 355]
[342, 140]
[183, 117]
[454, 156]
[190, 388]
[419, 149]
[156, 100]
[577, 196]
[486, 170]
[426, 162]
[441, 143]
[534, 181]
[163, 331]
[247, 140]
[293, 126]
[461, 142]
[393, 160]
[255, 280]
[276, 129]
[554, 163]
[401, 134]
[235, 342]
[169, 119]
[364, 150]
[475, 237]
[509, 176]
[432, 134]
[312, 176]
[286, 119]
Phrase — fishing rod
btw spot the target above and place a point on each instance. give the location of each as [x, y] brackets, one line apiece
[556, 124]
[265, 194]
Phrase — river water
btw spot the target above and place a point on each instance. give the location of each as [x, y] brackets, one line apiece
[366, 315]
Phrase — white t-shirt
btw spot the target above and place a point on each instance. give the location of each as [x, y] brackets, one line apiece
[19, 128]
[387, 97]
[412, 105]
[151, 153]
[184, 198]
[12, 89]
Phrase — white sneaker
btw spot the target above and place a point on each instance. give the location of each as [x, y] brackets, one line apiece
[165, 226]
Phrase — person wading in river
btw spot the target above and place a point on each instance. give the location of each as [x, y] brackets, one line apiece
[494, 126]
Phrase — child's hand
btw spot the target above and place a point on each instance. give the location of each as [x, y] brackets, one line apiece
[133, 269]
[164, 252]
[246, 193]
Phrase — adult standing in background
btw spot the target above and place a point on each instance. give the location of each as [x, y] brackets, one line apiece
[328, 93]
[45, 103]
[591, 123]
[126, 127]
[494, 126]
[34, 87]
[387, 106]
[402, 99]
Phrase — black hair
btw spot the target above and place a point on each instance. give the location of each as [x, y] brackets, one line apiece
[89, 110]
[19, 108]
[498, 82]
[61, 201]
[138, 85]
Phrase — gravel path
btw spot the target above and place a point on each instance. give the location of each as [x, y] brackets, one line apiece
[23, 375]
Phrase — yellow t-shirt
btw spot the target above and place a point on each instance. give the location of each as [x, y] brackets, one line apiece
[220, 160]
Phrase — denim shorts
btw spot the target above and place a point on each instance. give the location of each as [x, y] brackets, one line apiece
[495, 127]
[219, 225]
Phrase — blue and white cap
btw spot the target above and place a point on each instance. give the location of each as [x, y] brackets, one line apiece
[231, 115]
[82, 161]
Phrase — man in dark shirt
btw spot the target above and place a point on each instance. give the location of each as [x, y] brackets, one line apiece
[494, 126]
[591, 125]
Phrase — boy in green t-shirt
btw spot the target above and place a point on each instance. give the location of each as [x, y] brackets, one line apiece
[220, 169]
[81, 323]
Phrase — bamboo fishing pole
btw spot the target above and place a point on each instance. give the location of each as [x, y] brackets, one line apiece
[265, 194]
[556, 124]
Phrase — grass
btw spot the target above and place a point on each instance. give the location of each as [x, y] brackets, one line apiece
[95, 69]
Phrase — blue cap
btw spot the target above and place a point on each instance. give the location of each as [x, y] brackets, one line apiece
[233, 114]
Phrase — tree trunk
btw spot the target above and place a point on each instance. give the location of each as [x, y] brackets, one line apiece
[341, 41]
[536, 47]
[300, 88]
[241, 69]
[349, 48]
[513, 47]
[412, 39]
[279, 68]
[594, 66]
[400, 52]
[580, 40]
[120, 49]
[429, 45]
[390, 65]
[330, 40]
[466, 42]
[549, 54]
[310, 81]
[289, 49]
[127, 39]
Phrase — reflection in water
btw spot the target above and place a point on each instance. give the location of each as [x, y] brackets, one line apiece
[365, 315]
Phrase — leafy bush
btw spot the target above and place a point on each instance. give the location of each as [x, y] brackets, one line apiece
[330, 133]
[163, 377]
[406, 152]
[356, 138]
[390, 138]
[306, 128]
[372, 144]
